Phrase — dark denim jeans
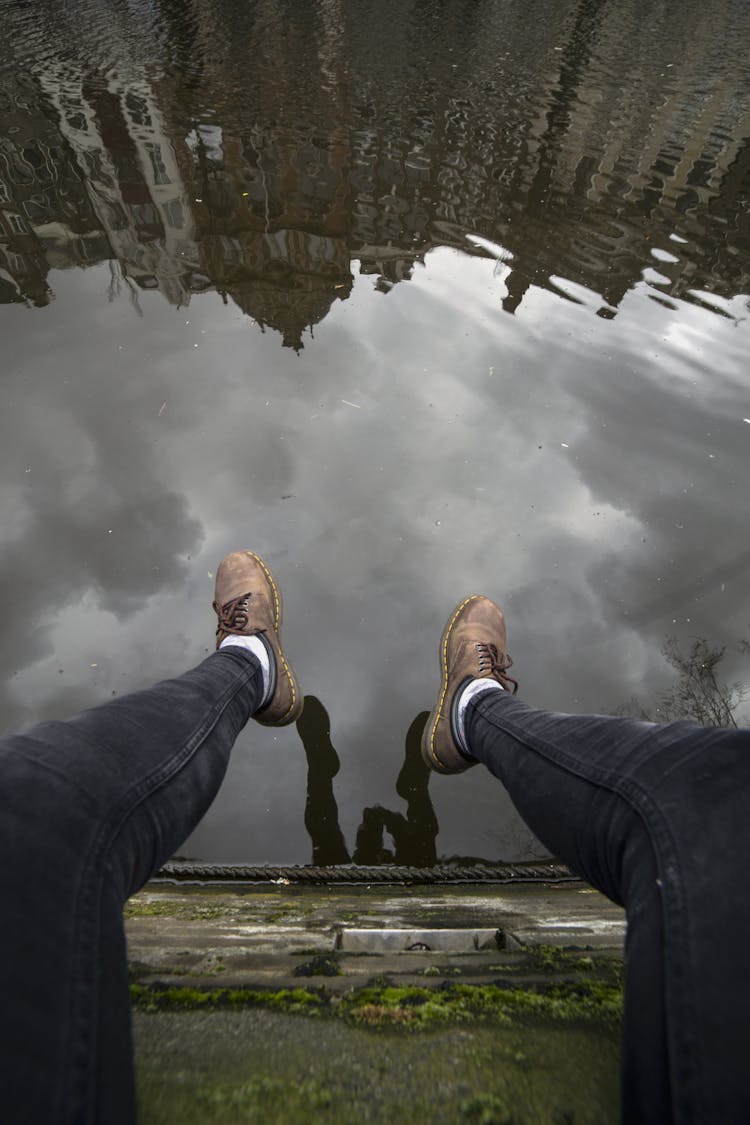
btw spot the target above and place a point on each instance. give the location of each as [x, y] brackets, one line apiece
[89, 810]
[658, 819]
[655, 817]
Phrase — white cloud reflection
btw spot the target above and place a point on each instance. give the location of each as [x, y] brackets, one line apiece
[556, 460]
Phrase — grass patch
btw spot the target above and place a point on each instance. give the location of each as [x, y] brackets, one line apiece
[418, 1008]
[261, 1096]
[552, 959]
[160, 999]
[135, 909]
[412, 1008]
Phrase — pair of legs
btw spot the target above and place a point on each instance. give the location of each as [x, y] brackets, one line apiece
[655, 817]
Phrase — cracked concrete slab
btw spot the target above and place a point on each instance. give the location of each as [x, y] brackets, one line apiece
[247, 936]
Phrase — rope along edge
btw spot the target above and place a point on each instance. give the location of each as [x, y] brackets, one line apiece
[354, 873]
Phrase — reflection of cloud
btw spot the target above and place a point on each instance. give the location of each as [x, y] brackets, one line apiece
[588, 472]
[438, 486]
[92, 516]
[451, 477]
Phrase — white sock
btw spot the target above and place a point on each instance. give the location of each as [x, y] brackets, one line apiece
[470, 692]
[257, 648]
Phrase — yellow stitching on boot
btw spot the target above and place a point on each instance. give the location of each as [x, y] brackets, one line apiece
[444, 656]
[291, 685]
[274, 588]
[277, 614]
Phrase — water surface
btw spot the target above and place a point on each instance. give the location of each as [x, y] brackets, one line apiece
[416, 299]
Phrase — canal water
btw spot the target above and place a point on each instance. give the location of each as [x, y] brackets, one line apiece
[417, 299]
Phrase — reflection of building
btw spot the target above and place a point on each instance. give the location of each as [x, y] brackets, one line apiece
[126, 159]
[336, 150]
[272, 215]
[45, 220]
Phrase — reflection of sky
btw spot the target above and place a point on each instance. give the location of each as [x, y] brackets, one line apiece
[589, 473]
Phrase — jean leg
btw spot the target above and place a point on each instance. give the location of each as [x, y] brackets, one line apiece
[656, 817]
[89, 810]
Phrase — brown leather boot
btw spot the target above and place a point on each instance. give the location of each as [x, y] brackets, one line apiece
[248, 603]
[472, 647]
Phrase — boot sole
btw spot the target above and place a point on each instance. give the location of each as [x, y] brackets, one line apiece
[428, 754]
[295, 710]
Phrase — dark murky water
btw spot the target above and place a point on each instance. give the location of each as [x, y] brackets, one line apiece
[416, 299]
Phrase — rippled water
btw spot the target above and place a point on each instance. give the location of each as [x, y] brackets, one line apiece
[416, 299]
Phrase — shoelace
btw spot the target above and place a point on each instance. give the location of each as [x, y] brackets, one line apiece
[234, 616]
[492, 663]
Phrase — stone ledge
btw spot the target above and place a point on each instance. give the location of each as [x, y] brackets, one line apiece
[246, 937]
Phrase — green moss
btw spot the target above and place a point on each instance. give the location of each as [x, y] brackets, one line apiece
[552, 959]
[165, 908]
[412, 1008]
[486, 1109]
[416, 1008]
[189, 999]
[135, 909]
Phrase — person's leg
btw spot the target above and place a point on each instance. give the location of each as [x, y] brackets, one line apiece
[654, 816]
[89, 810]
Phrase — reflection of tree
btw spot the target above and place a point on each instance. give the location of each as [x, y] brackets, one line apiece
[699, 694]
[413, 835]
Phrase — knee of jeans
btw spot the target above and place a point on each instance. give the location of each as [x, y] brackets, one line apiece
[638, 869]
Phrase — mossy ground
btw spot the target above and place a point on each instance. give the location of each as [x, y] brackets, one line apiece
[258, 1065]
[290, 1000]
[418, 1008]
[591, 992]
[303, 1033]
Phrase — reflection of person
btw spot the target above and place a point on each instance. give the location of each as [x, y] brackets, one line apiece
[92, 807]
[413, 835]
[321, 810]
